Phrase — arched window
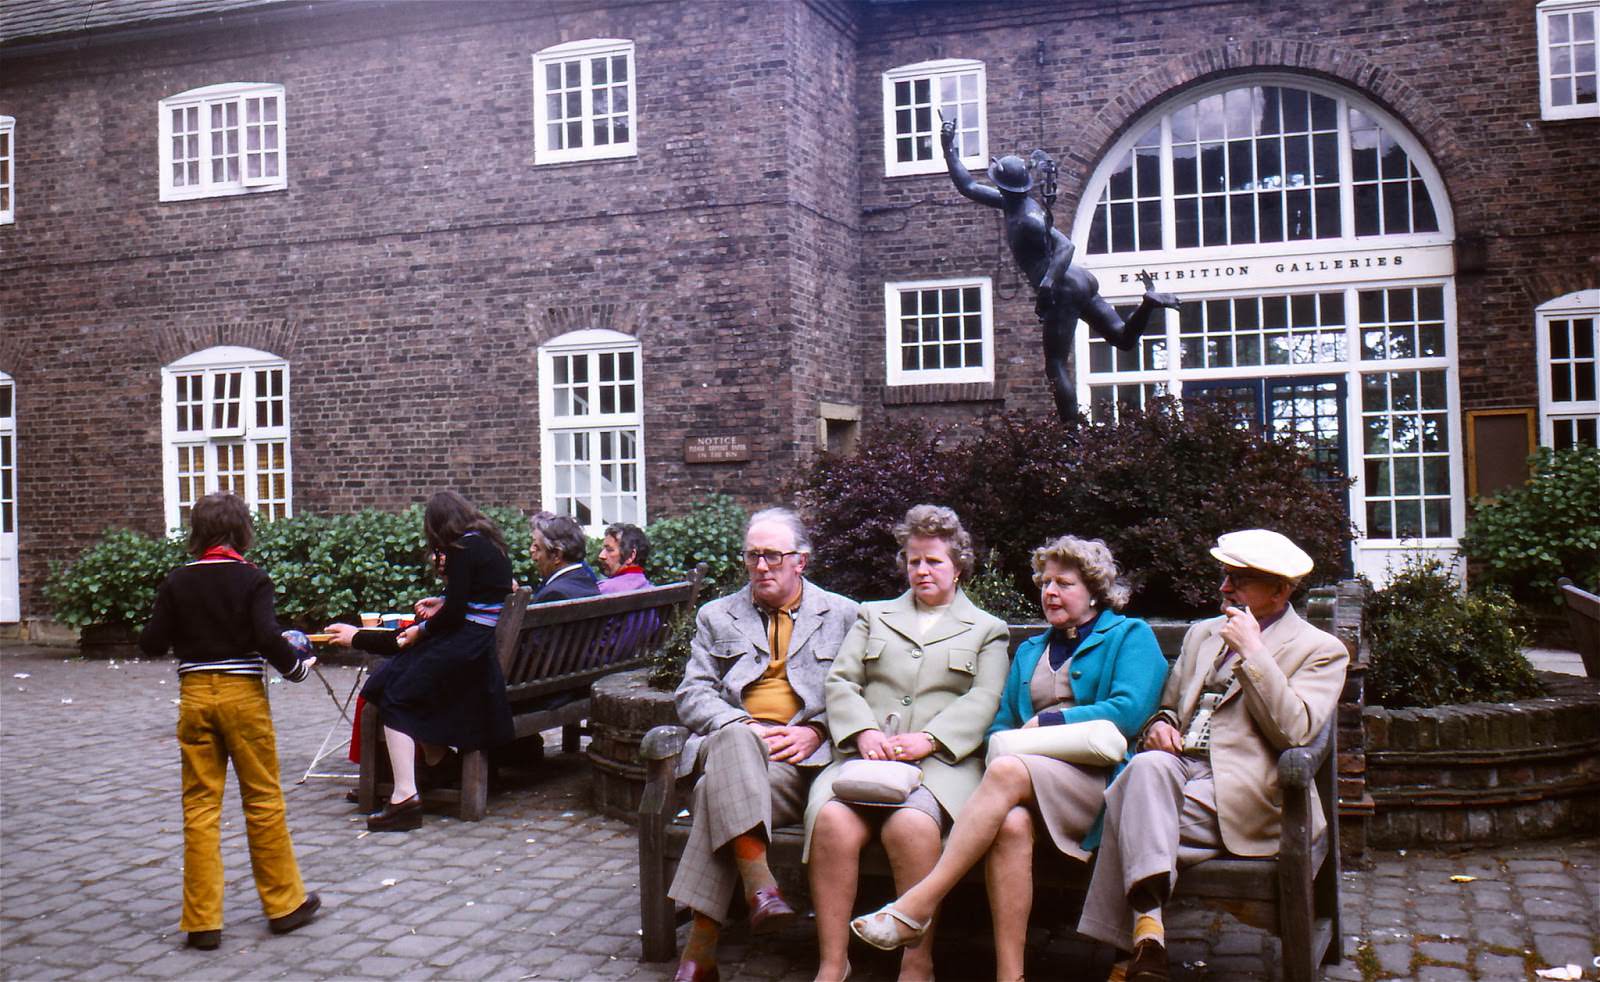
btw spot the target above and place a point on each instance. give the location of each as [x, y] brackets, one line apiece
[1309, 238]
[591, 428]
[1569, 370]
[225, 424]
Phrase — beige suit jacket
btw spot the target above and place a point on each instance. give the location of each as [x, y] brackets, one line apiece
[1272, 704]
[946, 683]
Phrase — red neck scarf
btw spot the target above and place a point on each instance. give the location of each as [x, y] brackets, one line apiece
[222, 552]
[623, 570]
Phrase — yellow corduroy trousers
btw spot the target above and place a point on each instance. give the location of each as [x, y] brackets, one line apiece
[222, 718]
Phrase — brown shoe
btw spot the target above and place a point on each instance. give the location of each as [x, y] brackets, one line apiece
[299, 917]
[769, 912]
[397, 816]
[1149, 963]
[692, 971]
[203, 940]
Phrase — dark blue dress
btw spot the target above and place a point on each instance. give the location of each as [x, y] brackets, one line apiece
[447, 688]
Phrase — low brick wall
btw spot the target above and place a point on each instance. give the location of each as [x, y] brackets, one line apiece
[1485, 772]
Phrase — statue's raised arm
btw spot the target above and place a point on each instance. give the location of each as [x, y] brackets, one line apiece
[959, 175]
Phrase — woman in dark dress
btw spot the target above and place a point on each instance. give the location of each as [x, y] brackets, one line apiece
[444, 689]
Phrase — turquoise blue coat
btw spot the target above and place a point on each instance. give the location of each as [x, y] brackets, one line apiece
[1117, 674]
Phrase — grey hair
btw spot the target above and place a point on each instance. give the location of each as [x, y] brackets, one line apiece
[938, 522]
[560, 533]
[787, 518]
[1092, 559]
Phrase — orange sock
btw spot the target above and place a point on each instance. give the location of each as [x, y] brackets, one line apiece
[750, 855]
[701, 948]
[1119, 971]
[1148, 927]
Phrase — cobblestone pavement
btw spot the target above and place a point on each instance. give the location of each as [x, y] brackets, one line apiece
[545, 888]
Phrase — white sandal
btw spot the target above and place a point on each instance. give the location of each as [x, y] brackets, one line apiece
[878, 929]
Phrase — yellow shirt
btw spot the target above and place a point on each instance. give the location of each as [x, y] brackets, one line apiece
[771, 699]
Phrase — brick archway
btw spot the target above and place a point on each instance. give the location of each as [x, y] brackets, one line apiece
[277, 337]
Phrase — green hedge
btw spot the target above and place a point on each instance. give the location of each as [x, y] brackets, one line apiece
[328, 568]
[1527, 538]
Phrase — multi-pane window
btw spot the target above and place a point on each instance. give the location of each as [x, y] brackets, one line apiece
[1260, 164]
[1567, 72]
[1406, 453]
[583, 98]
[222, 139]
[8, 163]
[938, 331]
[917, 99]
[1295, 329]
[1569, 370]
[591, 415]
[226, 419]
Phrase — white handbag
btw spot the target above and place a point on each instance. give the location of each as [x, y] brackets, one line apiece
[877, 782]
[1096, 742]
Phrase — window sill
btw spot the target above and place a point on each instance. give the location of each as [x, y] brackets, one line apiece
[906, 395]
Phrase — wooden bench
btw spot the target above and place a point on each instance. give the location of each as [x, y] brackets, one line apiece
[550, 654]
[1583, 617]
[1295, 895]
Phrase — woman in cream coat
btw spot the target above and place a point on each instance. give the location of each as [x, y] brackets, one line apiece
[936, 662]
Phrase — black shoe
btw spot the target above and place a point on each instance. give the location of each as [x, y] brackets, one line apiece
[354, 797]
[1149, 962]
[204, 940]
[399, 816]
[299, 917]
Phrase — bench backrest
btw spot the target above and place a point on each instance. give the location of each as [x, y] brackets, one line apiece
[1583, 618]
[565, 645]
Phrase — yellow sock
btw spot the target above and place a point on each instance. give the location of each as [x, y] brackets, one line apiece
[1119, 972]
[1148, 927]
[702, 944]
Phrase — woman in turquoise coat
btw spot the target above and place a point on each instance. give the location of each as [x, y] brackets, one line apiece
[1093, 664]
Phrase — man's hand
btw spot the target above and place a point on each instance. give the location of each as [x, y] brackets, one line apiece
[409, 636]
[1164, 736]
[791, 744]
[947, 133]
[910, 746]
[1243, 633]
[340, 634]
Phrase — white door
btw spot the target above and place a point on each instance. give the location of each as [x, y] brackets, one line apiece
[10, 606]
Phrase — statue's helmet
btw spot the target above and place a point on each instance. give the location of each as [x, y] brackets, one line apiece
[1010, 173]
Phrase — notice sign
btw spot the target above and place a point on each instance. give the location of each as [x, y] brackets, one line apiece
[715, 449]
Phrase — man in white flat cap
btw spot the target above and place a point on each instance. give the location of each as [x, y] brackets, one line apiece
[1247, 686]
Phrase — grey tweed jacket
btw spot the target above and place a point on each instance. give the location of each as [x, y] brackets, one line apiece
[730, 650]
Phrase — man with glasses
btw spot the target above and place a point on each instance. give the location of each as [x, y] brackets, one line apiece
[1247, 686]
[752, 699]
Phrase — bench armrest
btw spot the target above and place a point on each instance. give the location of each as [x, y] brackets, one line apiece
[1297, 766]
[659, 750]
[663, 742]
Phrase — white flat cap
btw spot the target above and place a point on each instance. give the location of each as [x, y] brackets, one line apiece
[1265, 550]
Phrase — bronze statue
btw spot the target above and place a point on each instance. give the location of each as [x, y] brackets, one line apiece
[1066, 293]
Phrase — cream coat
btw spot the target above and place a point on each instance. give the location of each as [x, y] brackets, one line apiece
[947, 683]
[1272, 704]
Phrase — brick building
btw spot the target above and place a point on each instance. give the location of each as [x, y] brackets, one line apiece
[609, 256]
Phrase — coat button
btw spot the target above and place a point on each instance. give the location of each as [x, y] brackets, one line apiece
[916, 652]
[1077, 675]
[906, 701]
[969, 666]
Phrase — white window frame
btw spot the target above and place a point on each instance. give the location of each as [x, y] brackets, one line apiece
[1547, 107]
[214, 367]
[896, 374]
[8, 171]
[589, 342]
[203, 99]
[1584, 303]
[584, 52]
[1427, 262]
[933, 71]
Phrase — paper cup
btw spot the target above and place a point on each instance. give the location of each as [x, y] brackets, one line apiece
[371, 618]
[395, 621]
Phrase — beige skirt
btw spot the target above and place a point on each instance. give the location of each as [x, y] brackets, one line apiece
[1069, 798]
[921, 800]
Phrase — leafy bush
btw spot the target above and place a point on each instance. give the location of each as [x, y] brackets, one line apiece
[668, 662]
[1433, 644]
[1528, 537]
[712, 533]
[114, 581]
[994, 590]
[1159, 486]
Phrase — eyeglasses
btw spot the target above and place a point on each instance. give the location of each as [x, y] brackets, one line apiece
[1241, 577]
[772, 557]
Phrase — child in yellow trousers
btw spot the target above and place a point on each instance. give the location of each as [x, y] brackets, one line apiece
[216, 614]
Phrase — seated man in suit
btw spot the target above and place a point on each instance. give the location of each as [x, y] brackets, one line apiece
[557, 549]
[1247, 686]
[752, 698]
[622, 556]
